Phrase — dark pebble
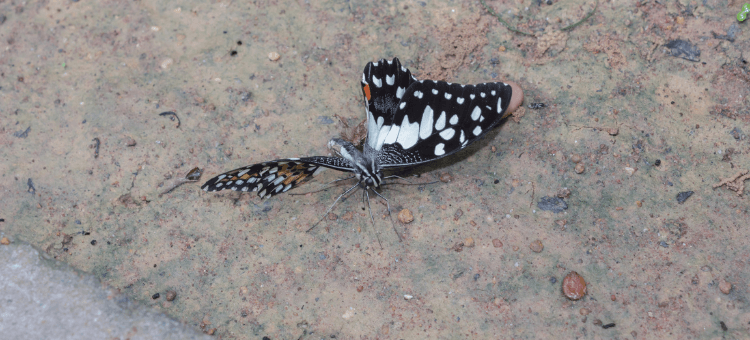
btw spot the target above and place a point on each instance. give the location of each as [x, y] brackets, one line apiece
[171, 295]
[553, 280]
[683, 196]
[664, 244]
[609, 325]
[155, 296]
[553, 204]
[93, 242]
[658, 162]
[723, 326]
[325, 120]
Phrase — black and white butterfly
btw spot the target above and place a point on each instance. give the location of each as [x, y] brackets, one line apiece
[409, 122]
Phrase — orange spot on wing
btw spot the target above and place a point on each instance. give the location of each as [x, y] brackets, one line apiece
[367, 91]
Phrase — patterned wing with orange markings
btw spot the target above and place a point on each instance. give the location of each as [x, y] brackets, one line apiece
[383, 85]
[274, 177]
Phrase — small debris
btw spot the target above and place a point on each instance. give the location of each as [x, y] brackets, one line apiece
[537, 106]
[325, 120]
[408, 297]
[580, 168]
[274, 56]
[405, 216]
[553, 204]
[22, 134]
[536, 246]
[96, 145]
[574, 286]
[360, 289]
[166, 63]
[613, 131]
[171, 295]
[30, 185]
[657, 162]
[609, 325]
[129, 141]
[563, 193]
[172, 117]
[496, 243]
[458, 247]
[684, 49]
[4, 241]
[93, 242]
[446, 177]
[597, 322]
[155, 296]
[725, 287]
[458, 214]
[575, 158]
[737, 133]
[735, 183]
[683, 196]
[584, 311]
[663, 244]
[629, 170]
[723, 326]
[469, 242]
[638, 204]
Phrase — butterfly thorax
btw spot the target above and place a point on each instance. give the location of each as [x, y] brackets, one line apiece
[366, 169]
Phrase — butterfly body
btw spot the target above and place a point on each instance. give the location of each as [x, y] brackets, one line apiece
[409, 122]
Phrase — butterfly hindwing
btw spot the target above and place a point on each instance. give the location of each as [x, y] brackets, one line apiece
[383, 85]
[436, 119]
[274, 177]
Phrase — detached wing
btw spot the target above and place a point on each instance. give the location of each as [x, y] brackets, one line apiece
[274, 177]
[436, 119]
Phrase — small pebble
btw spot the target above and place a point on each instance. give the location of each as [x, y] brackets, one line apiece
[563, 193]
[574, 287]
[274, 56]
[597, 322]
[171, 295]
[495, 243]
[469, 242]
[155, 296]
[166, 63]
[629, 170]
[536, 246]
[129, 141]
[5, 241]
[575, 158]
[613, 297]
[360, 289]
[584, 311]
[658, 162]
[613, 131]
[679, 20]
[446, 177]
[498, 301]
[683, 196]
[501, 49]
[408, 297]
[638, 203]
[725, 287]
[580, 168]
[515, 248]
[405, 216]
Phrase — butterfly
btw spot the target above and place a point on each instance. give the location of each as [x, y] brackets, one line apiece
[409, 122]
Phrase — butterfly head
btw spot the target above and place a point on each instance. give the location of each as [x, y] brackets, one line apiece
[364, 166]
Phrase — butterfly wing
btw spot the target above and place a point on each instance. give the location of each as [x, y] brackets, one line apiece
[274, 177]
[436, 119]
[383, 85]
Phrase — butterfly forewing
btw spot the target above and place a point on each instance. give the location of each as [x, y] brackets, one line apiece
[436, 119]
[274, 177]
[384, 83]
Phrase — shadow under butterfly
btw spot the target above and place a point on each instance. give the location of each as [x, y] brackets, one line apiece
[409, 122]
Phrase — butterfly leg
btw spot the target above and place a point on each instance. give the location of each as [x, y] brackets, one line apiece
[388, 205]
[334, 203]
[377, 234]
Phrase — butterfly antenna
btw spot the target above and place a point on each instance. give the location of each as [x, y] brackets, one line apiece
[323, 189]
[388, 205]
[377, 234]
[334, 203]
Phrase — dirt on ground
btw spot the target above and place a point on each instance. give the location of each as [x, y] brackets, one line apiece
[627, 165]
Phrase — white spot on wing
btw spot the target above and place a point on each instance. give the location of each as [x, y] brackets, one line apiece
[390, 79]
[434, 91]
[463, 137]
[425, 127]
[418, 94]
[239, 182]
[382, 136]
[402, 105]
[482, 94]
[454, 120]
[440, 124]
[279, 180]
[377, 82]
[448, 96]
[409, 134]
[460, 100]
[472, 96]
[499, 104]
[220, 177]
[481, 119]
[475, 114]
[400, 92]
[392, 135]
[447, 134]
[439, 151]
[477, 131]
[493, 92]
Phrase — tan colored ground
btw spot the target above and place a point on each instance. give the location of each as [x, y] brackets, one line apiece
[75, 71]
